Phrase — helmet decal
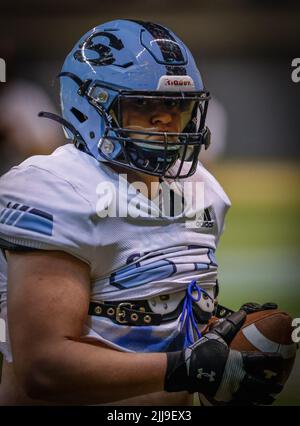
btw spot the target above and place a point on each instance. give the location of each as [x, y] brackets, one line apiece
[171, 51]
[104, 52]
[173, 83]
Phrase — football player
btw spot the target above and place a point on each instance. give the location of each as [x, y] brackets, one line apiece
[111, 308]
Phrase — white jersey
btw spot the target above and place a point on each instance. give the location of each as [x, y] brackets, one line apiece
[52, 203]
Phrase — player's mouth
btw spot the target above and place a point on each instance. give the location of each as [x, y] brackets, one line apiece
[155, 138]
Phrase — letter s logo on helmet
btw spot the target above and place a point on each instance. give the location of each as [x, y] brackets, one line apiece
[127, 65]
[105, 54]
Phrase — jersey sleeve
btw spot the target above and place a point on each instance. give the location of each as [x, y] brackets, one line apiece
[40, 210]
[217, 198]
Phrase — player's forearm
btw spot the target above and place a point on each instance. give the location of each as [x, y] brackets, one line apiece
[81, 373]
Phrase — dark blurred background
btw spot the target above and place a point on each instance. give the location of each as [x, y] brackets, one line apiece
[244, 49]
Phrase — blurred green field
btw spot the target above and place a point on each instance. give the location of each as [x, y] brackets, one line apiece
[259, 252]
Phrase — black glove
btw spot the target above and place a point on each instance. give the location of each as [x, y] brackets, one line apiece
[211, 368]
[251, 307]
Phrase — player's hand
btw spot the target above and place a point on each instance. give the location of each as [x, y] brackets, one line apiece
[210, 367]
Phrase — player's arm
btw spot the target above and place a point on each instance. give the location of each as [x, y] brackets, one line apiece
[48, 300]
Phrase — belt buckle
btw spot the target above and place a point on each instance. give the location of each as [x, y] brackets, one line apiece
[120, 313]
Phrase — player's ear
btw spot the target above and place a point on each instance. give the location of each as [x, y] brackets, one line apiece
[229, 327]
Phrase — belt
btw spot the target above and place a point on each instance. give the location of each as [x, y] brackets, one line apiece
[138, 313]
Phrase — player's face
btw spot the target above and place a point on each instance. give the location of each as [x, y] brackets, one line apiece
[155, 115]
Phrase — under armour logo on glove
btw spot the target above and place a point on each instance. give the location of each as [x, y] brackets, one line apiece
[210, 367]
[210, 375]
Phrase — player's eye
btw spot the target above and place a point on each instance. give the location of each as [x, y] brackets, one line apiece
[181, 105]
[171, 103]
[140, 103]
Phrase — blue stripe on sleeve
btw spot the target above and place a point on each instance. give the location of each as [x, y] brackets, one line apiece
[13, 217]
[35, 223]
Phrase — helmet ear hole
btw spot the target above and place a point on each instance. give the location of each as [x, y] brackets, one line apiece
[206, 137]
[79, 115]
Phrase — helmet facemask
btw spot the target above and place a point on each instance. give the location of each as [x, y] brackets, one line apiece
[150, 147]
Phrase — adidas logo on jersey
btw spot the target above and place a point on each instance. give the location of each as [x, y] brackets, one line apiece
[206, 221]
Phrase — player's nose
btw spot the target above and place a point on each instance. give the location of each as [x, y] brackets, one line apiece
[161, 118]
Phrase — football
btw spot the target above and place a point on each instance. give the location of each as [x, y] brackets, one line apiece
[264, 331]
[268, 331]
